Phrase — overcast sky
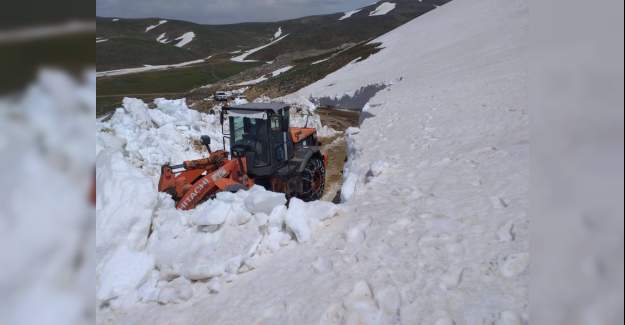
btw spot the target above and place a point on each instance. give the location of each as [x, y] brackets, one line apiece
[224, 11]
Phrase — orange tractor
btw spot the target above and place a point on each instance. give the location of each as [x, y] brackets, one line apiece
[264, 150]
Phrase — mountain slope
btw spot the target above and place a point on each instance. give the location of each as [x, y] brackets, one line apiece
[434, 229]
[308, 33]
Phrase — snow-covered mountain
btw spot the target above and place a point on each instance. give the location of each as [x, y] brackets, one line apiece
[433, 228]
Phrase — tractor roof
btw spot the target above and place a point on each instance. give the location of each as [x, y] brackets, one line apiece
[273, 106]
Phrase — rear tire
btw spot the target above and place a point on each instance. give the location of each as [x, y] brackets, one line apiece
[313, 180]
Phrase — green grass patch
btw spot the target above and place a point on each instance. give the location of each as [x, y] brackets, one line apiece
[168, 81]
[173, 82]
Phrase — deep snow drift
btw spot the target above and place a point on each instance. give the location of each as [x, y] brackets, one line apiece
[46, 219]
[434, 229]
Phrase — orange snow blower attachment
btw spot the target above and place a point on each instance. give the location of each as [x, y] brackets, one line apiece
[264, 150]
[195, 180]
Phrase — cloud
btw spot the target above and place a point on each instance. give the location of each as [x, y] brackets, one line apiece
[224, 11]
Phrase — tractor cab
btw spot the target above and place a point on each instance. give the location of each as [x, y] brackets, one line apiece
[259, 132]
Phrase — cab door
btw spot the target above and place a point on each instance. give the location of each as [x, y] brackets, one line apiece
[278, 141]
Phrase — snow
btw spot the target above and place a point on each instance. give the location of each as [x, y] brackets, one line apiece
[348, 14]
[151, 27]
[383, 9]
[48, 264]
[241, 58]
[185, 39]
[123, 272]
[265, 77]
[115, 19]
[100, 39]
[278, 33]
[147, 68]
[162, 38]
[259, 200]
[419, 238]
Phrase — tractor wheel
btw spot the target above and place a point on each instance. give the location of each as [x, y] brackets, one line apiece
[313, 180]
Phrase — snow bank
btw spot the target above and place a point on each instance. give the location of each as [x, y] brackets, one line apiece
[185, 39]
[349, 14]
[46, 220]
[151, 27]
[171, 250]
[383, 9]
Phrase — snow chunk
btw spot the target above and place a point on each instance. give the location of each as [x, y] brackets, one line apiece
[351, 173]
[350, 13]
[214, 212]
[383, 9]
[176, 291]
[124, 271]
[261, 200]
[302, 216]
[151, 27]
[124, 203]
[185, 39]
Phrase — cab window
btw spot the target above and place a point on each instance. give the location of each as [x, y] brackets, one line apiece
[275, 123]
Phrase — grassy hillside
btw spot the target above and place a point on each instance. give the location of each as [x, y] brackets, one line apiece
[320, 32]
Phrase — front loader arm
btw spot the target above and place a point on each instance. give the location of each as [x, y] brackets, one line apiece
[177, 179]
[194, 180]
